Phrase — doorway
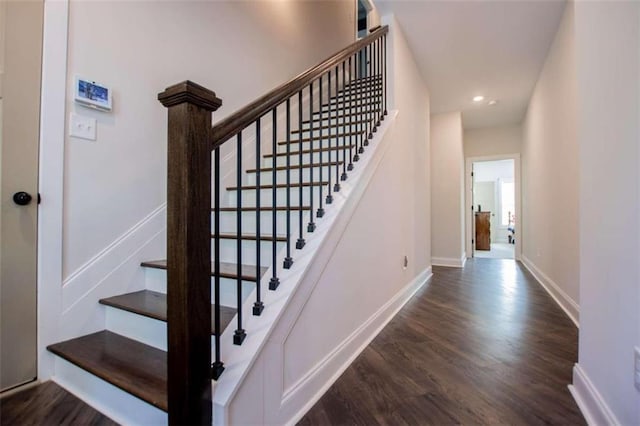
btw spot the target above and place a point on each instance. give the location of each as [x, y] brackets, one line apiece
[363, 7]
[21, 29]
[493, 200]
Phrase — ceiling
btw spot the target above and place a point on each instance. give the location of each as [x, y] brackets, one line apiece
[469, 48]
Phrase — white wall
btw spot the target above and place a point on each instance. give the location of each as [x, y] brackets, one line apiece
[492, 141]
[238, 49]
[550, 173]
[364, 274]
[447, 189]
[608, 70]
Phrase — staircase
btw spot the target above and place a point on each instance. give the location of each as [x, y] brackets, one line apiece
[301, 142]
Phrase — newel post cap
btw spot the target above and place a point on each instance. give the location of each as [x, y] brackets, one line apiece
[190, 92]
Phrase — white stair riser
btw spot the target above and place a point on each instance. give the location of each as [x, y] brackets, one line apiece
[229, 248]
[354, 114]
[314, 157]
[338, 123]
[326, 141]
[117, 404]
[249, 197]
[361, 95]
[156, 280]
[328, 132]
[294, 175]
[146, 330]
[228, 221]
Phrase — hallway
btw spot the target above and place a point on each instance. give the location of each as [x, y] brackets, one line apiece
[480, 345]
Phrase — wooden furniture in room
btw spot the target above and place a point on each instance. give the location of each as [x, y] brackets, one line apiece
[483, 230]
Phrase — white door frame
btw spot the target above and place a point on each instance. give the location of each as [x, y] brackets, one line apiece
[51, 179]
[469, 193]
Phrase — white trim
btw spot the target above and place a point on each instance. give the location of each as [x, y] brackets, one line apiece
[113, 271]
[593, 407]
[343, 355]
[271, 329]
[568, 305]
[450, 262]
[51, 169]
[518, 199]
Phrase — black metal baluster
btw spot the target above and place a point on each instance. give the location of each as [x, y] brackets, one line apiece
[239, 335]
[384, 88]
[380, 113]
[344, 130]
[320, 212]
[365, 97]
[347, 93]
[300, 243]
[336, 186]
[217, 367]
[258, 306]
[288, 261]
[274, 282]
[370, 85]
[362, 115]
[378, 76]
[329, 199]
[311, 226]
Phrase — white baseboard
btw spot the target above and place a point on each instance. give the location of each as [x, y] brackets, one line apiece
[593, 407]
[568, 305]
[451, 262]
[113, 271]
[310, 388]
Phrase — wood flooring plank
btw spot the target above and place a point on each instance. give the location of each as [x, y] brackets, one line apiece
[49, 404]
[480, 345]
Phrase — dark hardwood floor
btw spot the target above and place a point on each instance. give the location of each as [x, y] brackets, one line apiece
[48, 404]
[480, 345]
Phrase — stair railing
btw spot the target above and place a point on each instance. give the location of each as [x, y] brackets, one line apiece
[340, 102]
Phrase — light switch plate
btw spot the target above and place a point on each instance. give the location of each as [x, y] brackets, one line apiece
[82, 127]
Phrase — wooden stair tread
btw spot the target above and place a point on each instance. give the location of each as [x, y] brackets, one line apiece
[264, 208]
[310, 151]
[334, 117]
[227, 270]
[297, 166]
[134, 367]
[324, 137]
[250, 237]
[314, 129]
[154, 305]
[350, 114]
[280, 185]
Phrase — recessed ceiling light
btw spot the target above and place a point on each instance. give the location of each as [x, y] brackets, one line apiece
[493, 102]
[479, 98]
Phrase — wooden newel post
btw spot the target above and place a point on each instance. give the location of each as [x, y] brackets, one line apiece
[189, 251]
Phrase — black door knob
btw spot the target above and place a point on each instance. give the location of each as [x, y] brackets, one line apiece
[22, 198]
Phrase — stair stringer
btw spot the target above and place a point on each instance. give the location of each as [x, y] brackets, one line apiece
[248, 367]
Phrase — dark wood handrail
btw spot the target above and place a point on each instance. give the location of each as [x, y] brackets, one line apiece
[242, 118]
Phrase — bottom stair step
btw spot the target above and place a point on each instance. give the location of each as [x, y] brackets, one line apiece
[154, 305]
[134, 367]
